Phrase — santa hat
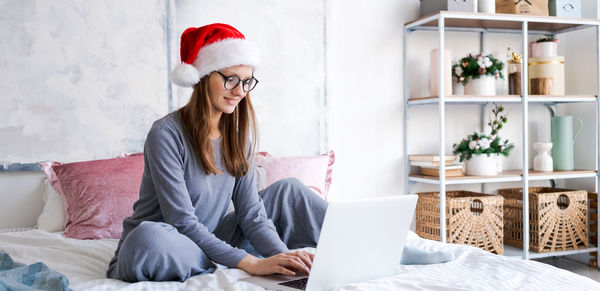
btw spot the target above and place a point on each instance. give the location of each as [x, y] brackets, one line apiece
[209, 48]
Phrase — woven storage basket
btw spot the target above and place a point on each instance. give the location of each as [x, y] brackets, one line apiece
[593, 234]
[471, 218]
[557, 218]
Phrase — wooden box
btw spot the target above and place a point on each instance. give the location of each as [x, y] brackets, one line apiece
[565, 8]
[532, 7]
[434, 6]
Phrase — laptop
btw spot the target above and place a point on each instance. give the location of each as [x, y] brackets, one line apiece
[360, 240]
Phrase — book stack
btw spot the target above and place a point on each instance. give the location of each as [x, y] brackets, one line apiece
[429, 165]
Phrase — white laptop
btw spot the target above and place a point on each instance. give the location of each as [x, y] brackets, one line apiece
[360, 240]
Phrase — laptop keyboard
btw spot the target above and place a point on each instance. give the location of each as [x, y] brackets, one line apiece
[297, 284]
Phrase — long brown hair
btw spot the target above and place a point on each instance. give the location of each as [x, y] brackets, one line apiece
[236, 129]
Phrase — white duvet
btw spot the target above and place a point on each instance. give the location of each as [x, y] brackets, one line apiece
[84, 263]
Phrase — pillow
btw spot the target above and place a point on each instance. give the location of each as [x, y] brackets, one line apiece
[52, 218]
[313, 171]
[261, 178]
[97, 194]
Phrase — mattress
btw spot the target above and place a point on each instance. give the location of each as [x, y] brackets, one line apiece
[84, 263]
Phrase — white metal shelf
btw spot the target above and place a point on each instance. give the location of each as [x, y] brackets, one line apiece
[525, 25]
[511, 251]
[506, 176]
[500, 22]
[561, 99]
[462, 99]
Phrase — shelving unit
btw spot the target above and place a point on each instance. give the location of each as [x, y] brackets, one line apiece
[501, 23]
[502, 98]
[505, 176]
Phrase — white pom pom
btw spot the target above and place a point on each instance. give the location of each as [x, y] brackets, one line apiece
[185, 75]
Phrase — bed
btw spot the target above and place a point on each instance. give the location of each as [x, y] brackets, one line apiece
[84, 263]
[84, 260]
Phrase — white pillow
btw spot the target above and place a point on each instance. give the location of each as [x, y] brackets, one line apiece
[52, 218]
[261, 178]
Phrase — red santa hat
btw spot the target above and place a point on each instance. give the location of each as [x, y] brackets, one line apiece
[209, 48]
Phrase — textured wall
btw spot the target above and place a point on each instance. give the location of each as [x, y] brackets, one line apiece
[85, 79]
[80, 79]
[289, 100]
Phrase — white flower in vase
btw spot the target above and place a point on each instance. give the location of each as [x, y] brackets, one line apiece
[472, 144]
[487, 62]
[484, 143]
[484, 62]
[458, 70]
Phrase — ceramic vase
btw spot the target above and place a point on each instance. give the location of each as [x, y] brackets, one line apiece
[544, 49]
[563, 140]
[485, 85]
[457, 88]
[542, 161]
[435, 69]
[499, 163]
[482, 165]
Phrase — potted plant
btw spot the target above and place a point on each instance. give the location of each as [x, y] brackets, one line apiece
[478, 73]
[480, 151]
[544, 47]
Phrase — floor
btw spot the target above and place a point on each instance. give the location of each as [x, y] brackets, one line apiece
[573, 266]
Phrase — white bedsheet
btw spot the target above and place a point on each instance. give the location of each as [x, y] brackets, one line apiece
[84, 263]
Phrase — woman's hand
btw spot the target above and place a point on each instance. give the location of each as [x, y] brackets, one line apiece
[284, 263]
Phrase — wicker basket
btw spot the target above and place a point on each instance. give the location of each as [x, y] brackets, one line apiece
[593, 234]
[471, 218]
[557, 218]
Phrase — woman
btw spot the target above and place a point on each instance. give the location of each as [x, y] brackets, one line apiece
[197, 160]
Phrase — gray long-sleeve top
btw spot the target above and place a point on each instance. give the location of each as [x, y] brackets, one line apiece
[176, 190]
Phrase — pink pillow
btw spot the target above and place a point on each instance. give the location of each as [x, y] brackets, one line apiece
[313, 171]
[97, 194]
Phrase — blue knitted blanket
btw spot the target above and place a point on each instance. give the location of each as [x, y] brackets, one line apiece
[17, 276]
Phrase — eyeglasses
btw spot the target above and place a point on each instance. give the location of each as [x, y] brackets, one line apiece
[233, 81]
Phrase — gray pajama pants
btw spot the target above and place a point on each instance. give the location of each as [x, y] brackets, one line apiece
[156, 251]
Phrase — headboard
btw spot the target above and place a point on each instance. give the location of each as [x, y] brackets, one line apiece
[20, 198]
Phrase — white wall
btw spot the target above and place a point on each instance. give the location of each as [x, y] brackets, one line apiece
[80, 80]
[85, 80]
[364, 91]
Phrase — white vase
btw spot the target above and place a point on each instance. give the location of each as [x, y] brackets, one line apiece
[434, 76]
[486, 6]
[499, 163]
[482, 165]
[457, 88]
[485, 85]
[544, 49]
[542, 161]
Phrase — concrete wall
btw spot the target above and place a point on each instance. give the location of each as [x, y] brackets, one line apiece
[80, 79]
[89, 83]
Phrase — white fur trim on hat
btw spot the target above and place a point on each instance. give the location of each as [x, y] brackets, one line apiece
[226, 53]
[216, 56]
[185, 75]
